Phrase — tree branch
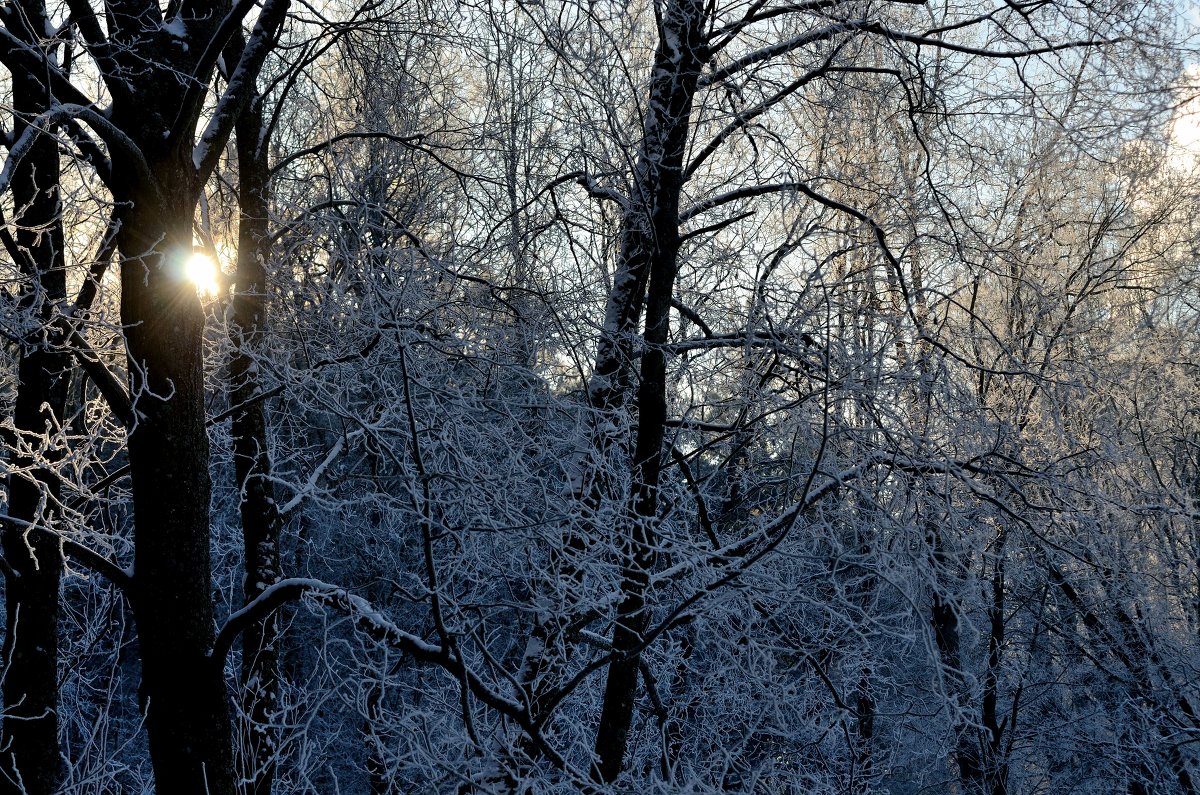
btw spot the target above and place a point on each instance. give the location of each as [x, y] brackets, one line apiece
[108, 132]
[88, 557]
[240, 89]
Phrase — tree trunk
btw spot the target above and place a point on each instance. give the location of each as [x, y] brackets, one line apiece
[155, 103]
[944, 618]
[649, 254]
[261, 523]
[995, 767]
[183, 692]
[30, 761]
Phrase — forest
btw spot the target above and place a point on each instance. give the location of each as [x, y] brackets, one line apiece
[789, 397]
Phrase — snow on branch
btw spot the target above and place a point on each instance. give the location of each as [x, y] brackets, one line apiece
[112, 136]
[241, 86]
[375, 625]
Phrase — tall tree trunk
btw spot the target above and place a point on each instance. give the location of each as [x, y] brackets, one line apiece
[157, 105]
[261, 523]
[183, 692]
[649, 254]
[156, 62]
[944, 619]
[30, 761]
[995, 767]
[649, 245]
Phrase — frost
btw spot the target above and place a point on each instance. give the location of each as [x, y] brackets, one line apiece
[847, 533]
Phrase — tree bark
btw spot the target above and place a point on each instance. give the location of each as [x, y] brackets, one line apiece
[158, 80]
[944, 619]
[261, 523]
[157, 103]
[995, 767]
[31, 762]
[183, 691]
[649, 255]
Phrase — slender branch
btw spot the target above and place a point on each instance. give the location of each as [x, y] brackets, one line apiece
[745, 117]
[372, 623]
[20, 56]
[697, 496]
[113, 136]
[85, 555]
[409, 141]
[942, 44]
[245, 404]
[759, 14]
[109, 385]
[780, 48]
[100, 264]
[692, 315]
[83, 16]
[717, 226]
[240, 89]
[736, 195]
[92, 152]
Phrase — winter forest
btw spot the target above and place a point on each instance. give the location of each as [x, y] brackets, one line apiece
[591, 396]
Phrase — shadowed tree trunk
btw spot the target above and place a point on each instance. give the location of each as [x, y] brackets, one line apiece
[994, 725]
[946, 635]
[156, 64]
[647, 267]
[261, 522]
[183, 692]
[30, 761]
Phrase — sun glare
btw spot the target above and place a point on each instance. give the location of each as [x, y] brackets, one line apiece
[202, 272]
[1184, 127]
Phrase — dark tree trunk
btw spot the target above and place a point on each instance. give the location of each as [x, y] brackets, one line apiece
[649, 247]
[30, 761]
[994, 764]
[261, 522]
[183, 692]
[683, 717]
[377, 773]
[156, 62]
[944, 618]
[649, 254]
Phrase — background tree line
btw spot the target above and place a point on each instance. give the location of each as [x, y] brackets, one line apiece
[673, 397]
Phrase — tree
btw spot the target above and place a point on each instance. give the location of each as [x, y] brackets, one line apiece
[816, 45]
[680, 396]
[156, 68]
[32, 555]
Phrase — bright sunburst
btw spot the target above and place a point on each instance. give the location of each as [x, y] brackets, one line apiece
[202, 272]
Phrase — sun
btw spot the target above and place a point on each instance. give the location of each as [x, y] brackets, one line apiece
[202, 272]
